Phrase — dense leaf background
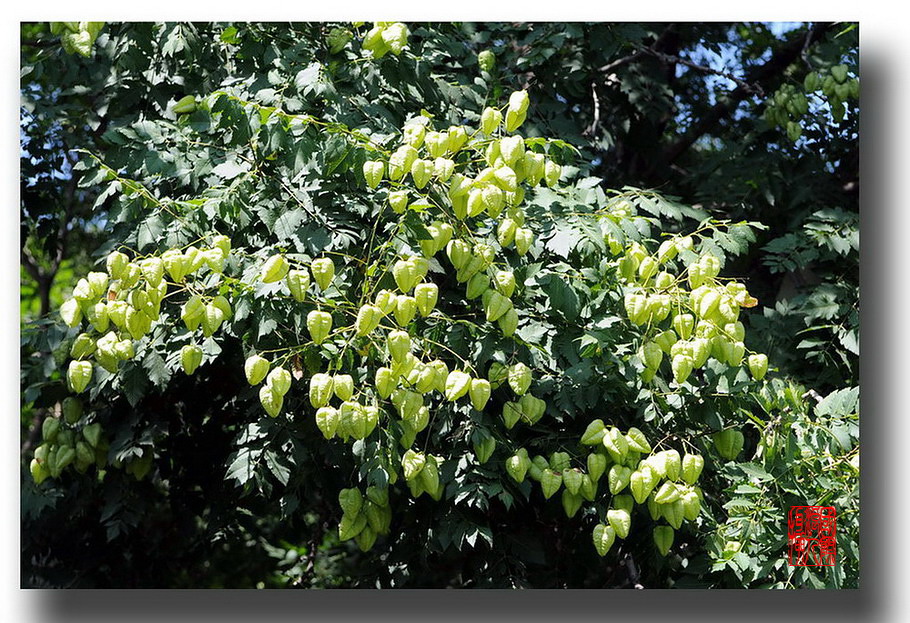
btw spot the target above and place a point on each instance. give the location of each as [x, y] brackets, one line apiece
[671, 117]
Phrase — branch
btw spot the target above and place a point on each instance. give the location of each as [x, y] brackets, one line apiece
[29, 263]
[641, 52]
[669, 58]
[804, 53]
[625, 60]
[779, 62]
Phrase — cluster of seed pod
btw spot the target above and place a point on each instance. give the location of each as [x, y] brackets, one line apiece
[364, 516]
[68, 441]
[385, 37]
[319, 325]
[116, 308]
[430, 173]
[688, 326]
[120, 305]
[438, 164]
[789, 105]
[663, 480]
[434, 174]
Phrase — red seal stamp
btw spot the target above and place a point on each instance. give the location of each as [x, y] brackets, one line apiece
[812, 535]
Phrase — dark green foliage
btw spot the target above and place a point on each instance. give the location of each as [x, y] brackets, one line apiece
[272, 157]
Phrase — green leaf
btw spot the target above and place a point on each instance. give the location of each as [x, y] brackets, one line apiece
[242, 466]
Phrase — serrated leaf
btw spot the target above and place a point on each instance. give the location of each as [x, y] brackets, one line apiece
[242, 467]
[157, 369]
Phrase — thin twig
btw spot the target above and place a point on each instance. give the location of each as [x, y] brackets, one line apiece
[592, 129]
[804, 53]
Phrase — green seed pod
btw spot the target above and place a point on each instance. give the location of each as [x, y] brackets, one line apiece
[618, 478]
[321, 390]
[514, 119]
[511, 413]
[663, 539]
[436, 144]
[78, 375]
[71, 313]
[343, 386]
[386, 301]
[190, 358]
[484, 445]
[637, 441]
[457, 385]
[414, 134]
[524, 238]
[684, 324]
[508, 322]
[280, 380]
[479, 391]
[373, 170]
[758, 366]
[532, 409]
[597, 465]
[323, 270]
[571, 502]
[271, 400]
[641, 483]
[405, 310]
[517, 465]
[504, 177]
[72, 409]
[368, 318]
[425, 295]
[275, 269]
[255, 368]
[504, 280]
[616, 444]
[477, 285]
[398, 199]
[520, 378]
[692, 465]
[319, 324]
[621, 521]
[404, 274]
[729, 443]
[421, 172]
[413, 463]
[490, 119]
[495, 305]
[185, 105]
[83, 346]
[603, 537]
[594, 433]
[385, 382]
[486, 60]
[682, 366]
[298, 281]
[399, 343]
[116, 264]
[550, 482]
[651, 355]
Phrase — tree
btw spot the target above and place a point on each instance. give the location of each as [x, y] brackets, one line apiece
[368, 308]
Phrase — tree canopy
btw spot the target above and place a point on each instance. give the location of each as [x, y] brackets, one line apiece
[230, 164]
